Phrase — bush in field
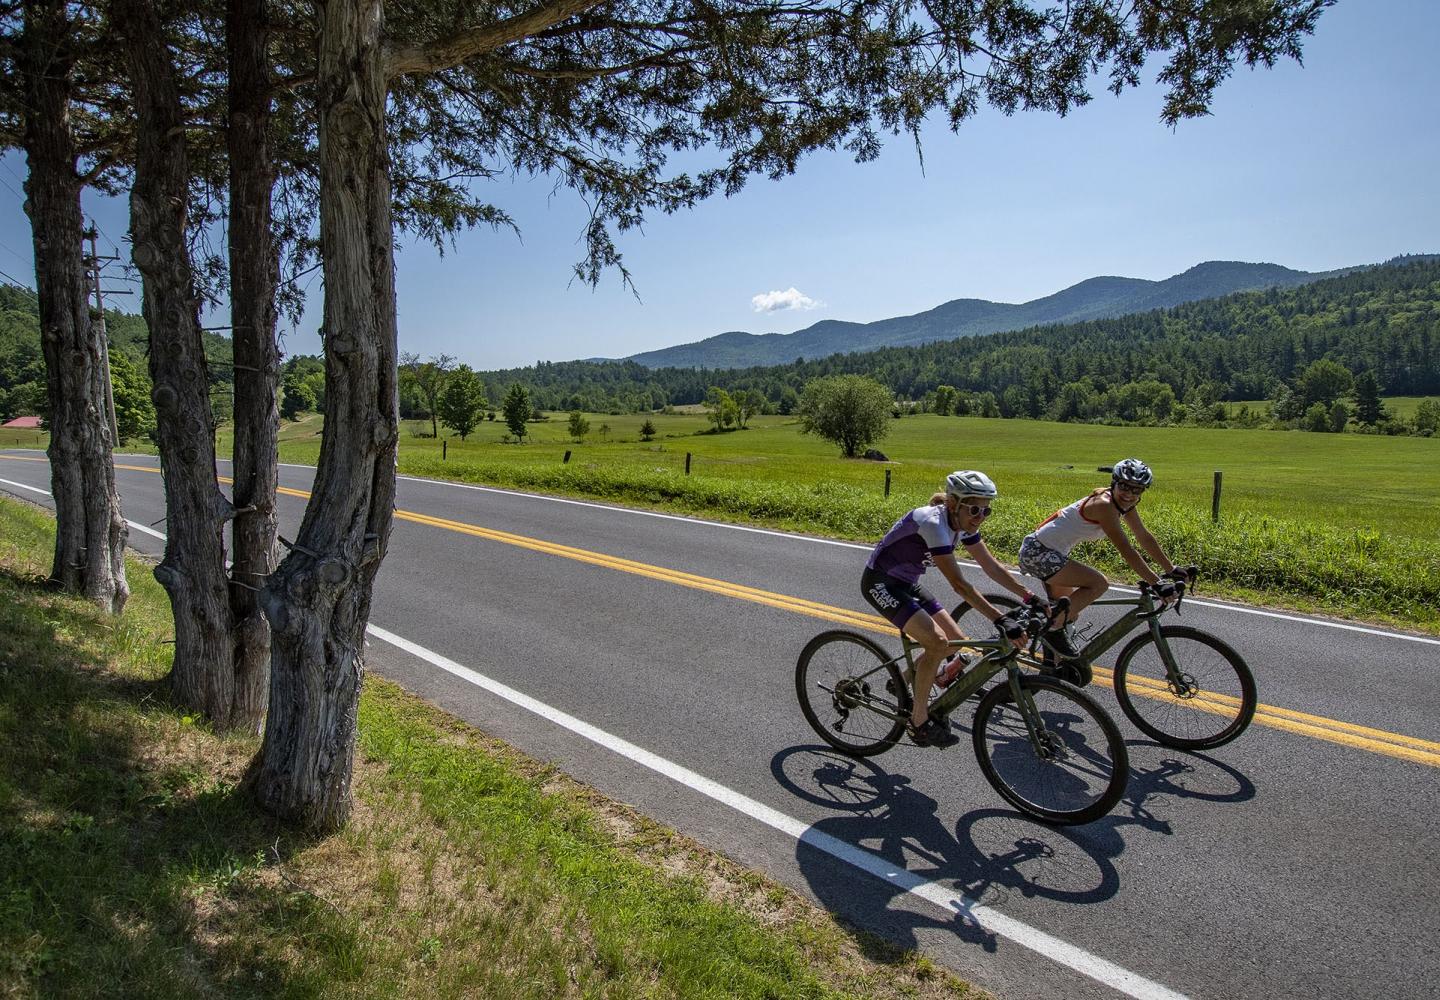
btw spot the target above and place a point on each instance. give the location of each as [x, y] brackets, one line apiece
[851, 410]
[462, 401]
[517, 410]
[647, 431]
[579, 426]
[1427, 417]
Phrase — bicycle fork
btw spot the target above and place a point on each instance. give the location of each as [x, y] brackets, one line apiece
[1181, 685]
[1034, 725]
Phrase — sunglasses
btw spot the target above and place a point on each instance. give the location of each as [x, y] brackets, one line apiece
[974, 510]
[1131, 488]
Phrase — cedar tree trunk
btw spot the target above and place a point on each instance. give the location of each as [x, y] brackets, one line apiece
[318, 601]
[193, 570]
[90, 530]
[254, 269]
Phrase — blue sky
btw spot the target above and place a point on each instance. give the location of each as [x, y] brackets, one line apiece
[1314, 168]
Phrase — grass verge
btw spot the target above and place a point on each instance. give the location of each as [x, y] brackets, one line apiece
[132, 864]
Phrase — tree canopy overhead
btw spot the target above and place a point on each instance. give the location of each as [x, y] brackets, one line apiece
[652, 105]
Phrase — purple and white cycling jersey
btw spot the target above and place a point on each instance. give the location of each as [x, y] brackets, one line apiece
[907, 549]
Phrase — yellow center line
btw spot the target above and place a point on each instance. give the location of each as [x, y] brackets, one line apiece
[1379, 741]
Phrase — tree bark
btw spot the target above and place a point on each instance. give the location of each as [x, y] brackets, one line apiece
[193, 571]
[254, 271]
[318, 601]
[90, 529]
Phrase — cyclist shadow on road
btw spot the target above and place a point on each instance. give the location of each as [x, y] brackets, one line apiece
[886, 827]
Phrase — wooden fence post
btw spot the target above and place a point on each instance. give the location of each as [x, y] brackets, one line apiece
[1215, 499]
[687, 463]
[566, 458]
[444, 448]
[887, 482]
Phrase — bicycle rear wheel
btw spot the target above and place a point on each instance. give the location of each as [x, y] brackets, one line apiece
[851, 696]
[1207, 704]
[1079, 769]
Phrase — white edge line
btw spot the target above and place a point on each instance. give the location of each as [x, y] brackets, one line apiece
[1062, 952]
[1076, 958]
[32, 489]
[143, 528]
[1217, 605]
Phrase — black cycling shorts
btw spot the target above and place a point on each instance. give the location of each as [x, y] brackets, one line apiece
[896, 600]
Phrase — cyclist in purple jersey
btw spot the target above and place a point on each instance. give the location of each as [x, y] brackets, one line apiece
[927, 536]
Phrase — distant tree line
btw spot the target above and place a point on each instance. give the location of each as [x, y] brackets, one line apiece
[1321, 355]
[1178, 365]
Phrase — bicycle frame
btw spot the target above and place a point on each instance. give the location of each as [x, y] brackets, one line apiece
[1141, 609]
[1001, 654]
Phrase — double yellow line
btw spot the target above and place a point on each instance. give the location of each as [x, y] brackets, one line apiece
[1379, 741]
[1361, 737]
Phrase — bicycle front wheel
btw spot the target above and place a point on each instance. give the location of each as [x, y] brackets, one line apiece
[851, 694]
[1076, 768]
[1207, 701]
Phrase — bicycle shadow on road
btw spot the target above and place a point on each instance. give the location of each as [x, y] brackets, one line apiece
[990, 855]
[1161, 775]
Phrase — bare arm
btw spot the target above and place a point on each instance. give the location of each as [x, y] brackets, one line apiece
[980, 552]
[950, 569]
[1147, 541]
[1109, 519]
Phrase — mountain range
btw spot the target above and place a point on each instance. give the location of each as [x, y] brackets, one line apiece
[1093, 298]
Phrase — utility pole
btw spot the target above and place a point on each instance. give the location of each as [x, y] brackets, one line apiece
[94, 263]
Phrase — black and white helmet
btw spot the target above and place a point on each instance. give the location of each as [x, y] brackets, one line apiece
[969, 483]
[1133, 471]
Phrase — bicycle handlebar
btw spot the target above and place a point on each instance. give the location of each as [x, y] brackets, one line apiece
[1178, 580]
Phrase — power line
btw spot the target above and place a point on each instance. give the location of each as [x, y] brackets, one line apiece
[9, 277]
[23, 259]
[12, 190]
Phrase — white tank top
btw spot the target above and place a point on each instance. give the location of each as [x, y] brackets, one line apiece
[1069, 526]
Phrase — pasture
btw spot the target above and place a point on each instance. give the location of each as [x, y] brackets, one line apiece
[1338, 523]
[1322, 522]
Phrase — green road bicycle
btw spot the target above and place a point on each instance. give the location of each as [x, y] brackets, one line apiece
[1047, 747]
[1181, 686]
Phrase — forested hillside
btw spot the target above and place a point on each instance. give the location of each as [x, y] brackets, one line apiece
[1382, 322]
[1380, 325]
[22, 366]
[1094, 298]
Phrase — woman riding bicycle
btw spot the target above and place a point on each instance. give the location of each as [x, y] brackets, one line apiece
[891, 584]
[1045, 552]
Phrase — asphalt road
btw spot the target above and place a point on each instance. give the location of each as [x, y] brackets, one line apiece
[653, 658]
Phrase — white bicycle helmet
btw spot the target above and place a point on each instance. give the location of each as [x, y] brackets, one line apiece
[1131, 470]
[969, 483]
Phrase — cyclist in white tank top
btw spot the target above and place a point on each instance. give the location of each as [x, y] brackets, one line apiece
[1069, 526]
[1045, 552]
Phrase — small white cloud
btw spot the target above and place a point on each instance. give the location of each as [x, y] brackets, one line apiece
[791, 298]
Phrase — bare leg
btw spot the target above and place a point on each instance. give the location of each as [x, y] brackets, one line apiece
[1080, 583]
[934, 635]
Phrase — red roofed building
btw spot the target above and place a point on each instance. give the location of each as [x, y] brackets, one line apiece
[22, 424]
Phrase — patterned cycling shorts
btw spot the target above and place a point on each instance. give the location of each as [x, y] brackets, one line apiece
[895, 599]
[1039, 560]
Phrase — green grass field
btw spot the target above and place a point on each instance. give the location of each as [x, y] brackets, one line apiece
[1338, 523]
[1405, 406]
[1399, 406]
